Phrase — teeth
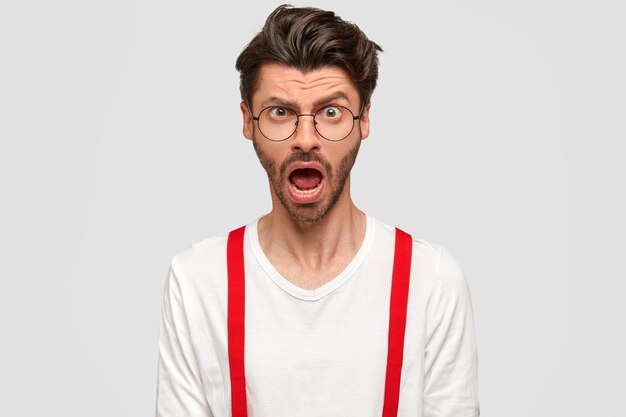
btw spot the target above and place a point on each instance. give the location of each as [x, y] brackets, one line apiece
[309, 191]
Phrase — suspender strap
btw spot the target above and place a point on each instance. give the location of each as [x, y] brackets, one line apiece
[397, 321]
[236, 320]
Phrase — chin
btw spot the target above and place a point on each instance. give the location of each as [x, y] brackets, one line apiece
[309, 213]
[308, 218]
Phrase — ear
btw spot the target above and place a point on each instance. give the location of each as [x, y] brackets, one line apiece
[248, 123]
[364, 121]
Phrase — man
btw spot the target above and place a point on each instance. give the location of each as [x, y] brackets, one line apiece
[316, 309]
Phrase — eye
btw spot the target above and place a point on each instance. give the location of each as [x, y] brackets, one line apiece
[279, 112]
[330, 112]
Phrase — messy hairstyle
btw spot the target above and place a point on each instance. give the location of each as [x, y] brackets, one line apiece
[309, 39]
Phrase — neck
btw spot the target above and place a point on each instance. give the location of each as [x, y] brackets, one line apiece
[326, 245]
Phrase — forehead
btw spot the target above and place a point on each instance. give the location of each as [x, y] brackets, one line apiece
[276, 81]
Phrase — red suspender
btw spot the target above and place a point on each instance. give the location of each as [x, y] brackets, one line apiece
[236, 320]
[397, 320]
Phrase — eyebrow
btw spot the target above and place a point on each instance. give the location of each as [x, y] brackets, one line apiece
[326, 100]
[294, 104]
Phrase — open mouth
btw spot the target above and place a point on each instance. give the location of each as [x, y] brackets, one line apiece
[305, 184]
[306, 179]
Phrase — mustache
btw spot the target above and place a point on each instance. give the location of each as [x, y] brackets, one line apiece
[300, 156]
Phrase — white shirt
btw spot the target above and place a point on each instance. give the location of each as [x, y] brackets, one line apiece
[321, 352]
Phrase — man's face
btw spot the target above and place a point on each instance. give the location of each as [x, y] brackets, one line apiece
[308, 174]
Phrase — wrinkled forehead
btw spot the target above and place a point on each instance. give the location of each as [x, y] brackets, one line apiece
[304, 88]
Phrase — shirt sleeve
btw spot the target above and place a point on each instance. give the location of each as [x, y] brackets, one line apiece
[179, 386]
[450, 358]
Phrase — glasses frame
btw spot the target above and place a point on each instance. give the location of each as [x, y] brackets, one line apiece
[313, 115]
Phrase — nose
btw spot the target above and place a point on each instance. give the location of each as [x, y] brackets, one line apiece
[306, 137]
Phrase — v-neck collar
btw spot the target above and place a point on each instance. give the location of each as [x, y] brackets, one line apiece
[324, 290]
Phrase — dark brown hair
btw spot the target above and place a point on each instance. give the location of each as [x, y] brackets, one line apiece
[308, 39]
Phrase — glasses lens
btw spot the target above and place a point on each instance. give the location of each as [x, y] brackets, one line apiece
[277, 123]
[334, 122]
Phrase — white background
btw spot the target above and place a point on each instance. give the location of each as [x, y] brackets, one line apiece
[498, 132]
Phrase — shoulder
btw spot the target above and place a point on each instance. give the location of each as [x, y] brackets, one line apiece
[201, 262]
[422, 249]
[431, 261]
[446, 274]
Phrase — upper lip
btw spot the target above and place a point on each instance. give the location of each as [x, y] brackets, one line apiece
[304, 165]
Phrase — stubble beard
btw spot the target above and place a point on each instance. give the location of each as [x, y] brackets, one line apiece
[308, 212]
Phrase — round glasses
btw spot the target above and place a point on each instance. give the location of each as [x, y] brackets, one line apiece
[279, 123]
